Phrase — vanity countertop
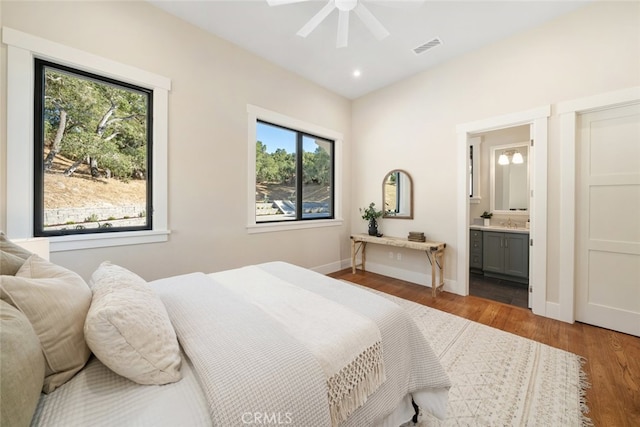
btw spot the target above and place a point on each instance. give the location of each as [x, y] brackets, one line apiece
[499, 228]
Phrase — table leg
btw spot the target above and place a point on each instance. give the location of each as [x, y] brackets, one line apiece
[442, 268]
[434, 287]
[353, 256]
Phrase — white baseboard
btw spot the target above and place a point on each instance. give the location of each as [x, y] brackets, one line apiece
[553, 311]
[422, 279]
[331, 267]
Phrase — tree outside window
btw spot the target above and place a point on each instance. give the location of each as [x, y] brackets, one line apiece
[294, 175]
[93, 144]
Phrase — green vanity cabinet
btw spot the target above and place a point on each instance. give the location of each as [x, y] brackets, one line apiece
[475, 250]
[506, 254]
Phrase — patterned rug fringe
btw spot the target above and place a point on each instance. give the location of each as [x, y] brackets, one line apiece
[584, 386]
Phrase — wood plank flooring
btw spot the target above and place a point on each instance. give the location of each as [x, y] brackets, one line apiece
[612, 359]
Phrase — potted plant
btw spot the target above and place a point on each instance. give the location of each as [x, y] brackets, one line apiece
[487, 217]
[371, 214]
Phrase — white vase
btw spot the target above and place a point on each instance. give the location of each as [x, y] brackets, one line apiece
[487, 222]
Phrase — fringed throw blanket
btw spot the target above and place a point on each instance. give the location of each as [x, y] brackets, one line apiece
[347, 345]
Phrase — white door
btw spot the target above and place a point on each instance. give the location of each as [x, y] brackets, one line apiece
[608, 219]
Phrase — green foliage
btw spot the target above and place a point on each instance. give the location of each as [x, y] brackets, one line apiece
[486, 214]
[370, 212]
[279, 167]
[91, 218]
[105, 123]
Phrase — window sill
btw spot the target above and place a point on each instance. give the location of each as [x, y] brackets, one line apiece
[297, 225]
[104, 240]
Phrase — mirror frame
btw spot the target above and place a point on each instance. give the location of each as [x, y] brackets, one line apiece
[384, 180]
[492, 176]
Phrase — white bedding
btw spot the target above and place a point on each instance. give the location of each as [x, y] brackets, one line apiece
[246, 366]
[97, 396]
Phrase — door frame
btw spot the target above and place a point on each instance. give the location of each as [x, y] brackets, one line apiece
[569, 112]
[537, 119]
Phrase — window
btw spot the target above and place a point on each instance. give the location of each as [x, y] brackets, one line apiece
[294, 175]
[22, 51]
[474, 169]
[92, 154]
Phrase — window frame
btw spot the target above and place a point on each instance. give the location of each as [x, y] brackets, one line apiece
[299, 184]
[22, 50]
[258, 114]
[40, 67]
[473, 146]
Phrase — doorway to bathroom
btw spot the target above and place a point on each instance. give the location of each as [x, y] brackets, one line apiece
[523, 243]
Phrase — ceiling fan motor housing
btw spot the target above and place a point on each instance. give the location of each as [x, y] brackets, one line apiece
[346, 5]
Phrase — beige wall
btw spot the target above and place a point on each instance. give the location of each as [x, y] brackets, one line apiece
[212, 83]
[412, 125]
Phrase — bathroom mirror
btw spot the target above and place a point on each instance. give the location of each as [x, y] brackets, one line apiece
[397, 195]
[510, 179]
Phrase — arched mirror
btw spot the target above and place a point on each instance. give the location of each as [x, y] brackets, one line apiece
[397, 195]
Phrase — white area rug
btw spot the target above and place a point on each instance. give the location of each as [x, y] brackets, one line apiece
[501, 379]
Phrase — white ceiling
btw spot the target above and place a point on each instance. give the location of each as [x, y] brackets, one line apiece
[270, 32]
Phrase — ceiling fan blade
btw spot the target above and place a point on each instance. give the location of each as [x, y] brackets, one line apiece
[317, 19]
[371, 21]
[397, 4]
[343, 28]
[281, 2]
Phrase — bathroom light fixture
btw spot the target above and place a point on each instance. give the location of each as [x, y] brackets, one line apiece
[517, 158]
[510, 156]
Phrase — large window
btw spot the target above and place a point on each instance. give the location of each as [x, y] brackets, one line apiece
[294, 173]
[23, 173]
[93, 141]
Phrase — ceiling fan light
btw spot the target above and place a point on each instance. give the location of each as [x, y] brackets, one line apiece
[503, 159]
[517, 158]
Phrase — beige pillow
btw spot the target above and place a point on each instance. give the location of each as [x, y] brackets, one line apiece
[7, 245]
[21, 367]
[128, 328]
[56, 301]
[12, 256]
[9, 263]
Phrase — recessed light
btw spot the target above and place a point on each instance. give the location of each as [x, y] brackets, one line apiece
[356, 73]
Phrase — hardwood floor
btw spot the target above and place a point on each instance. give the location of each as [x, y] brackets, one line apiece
[612, 359]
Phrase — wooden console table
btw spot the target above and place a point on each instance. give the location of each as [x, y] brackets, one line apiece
[434, 251]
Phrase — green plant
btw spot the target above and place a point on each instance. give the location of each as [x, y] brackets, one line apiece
[486, 214]
[91, 218]
[370, 213]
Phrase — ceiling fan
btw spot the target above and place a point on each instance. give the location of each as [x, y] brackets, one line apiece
[344, 7]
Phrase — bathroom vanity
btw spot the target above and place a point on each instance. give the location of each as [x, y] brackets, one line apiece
[501, 252]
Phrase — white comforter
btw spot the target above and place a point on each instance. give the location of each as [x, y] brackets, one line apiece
[248, 371]
[250, 366]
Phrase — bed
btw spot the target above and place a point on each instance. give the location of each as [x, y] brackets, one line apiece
[265, 344]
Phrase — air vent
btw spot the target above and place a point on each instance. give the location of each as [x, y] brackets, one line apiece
[428, 45]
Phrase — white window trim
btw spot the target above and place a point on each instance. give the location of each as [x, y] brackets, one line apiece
[21, 51]
[258, 113]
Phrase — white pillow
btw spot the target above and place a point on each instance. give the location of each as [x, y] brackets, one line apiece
[128, 328]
